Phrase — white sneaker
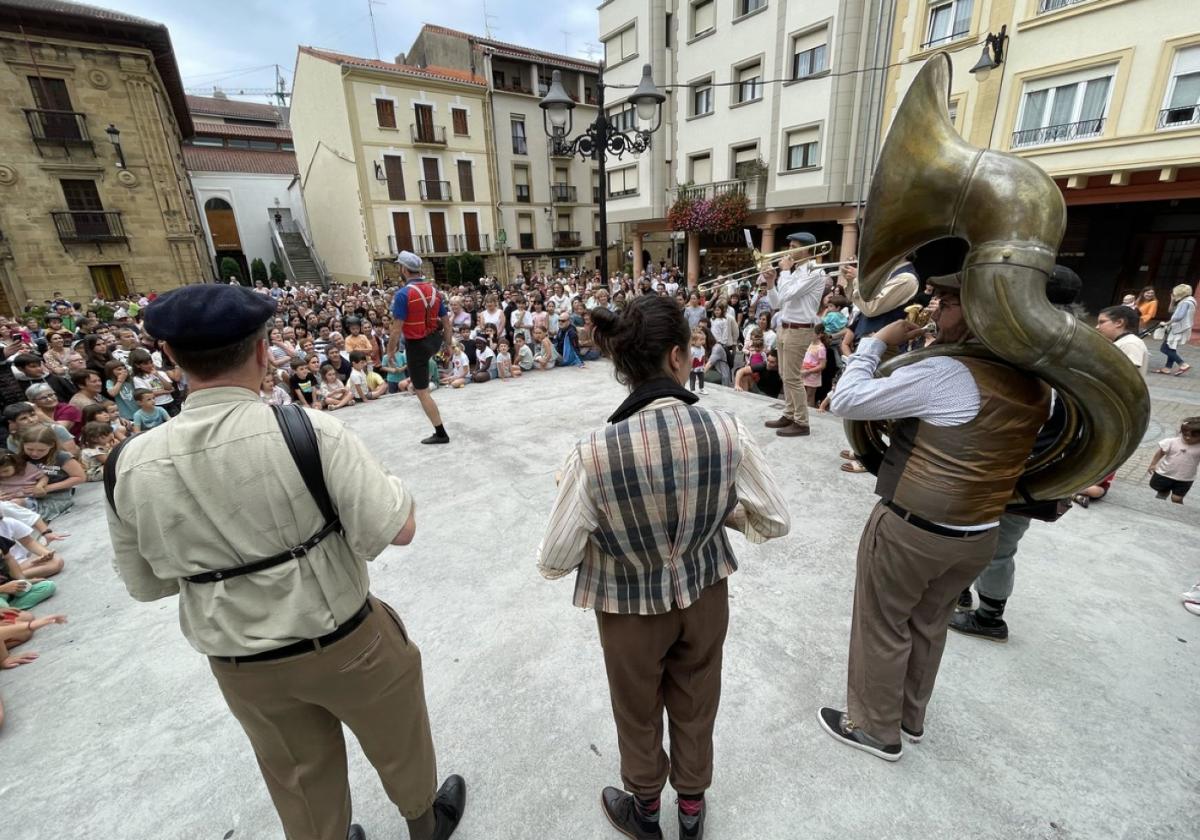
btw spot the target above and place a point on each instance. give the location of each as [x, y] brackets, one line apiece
[702, 391]
[1191, 600]
[1192, 606]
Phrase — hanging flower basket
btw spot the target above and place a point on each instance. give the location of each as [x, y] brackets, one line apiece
[727, 211]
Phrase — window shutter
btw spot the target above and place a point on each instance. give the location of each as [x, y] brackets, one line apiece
[385, 111]
[393, 168]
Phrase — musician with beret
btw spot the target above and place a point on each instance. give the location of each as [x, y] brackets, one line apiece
[795, 292]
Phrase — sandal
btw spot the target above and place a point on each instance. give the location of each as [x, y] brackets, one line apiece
[853, 467]
[1081, 499]
[847, 455]
[1165, 371]
[1181, 371]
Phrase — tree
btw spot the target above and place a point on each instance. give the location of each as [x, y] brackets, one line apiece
[258, 271]
[231, 268]
[464, 268]
[278, 275]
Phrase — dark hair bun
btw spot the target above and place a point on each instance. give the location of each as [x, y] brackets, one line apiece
[639, 338]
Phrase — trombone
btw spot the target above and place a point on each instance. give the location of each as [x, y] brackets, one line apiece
[729, 282]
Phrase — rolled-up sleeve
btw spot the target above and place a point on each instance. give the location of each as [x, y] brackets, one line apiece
[371, 502]
[758, 492]
[572, 521]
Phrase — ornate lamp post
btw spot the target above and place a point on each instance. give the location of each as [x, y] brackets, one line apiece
[602, 138]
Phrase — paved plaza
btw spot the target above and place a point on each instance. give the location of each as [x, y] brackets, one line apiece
[1081, 728]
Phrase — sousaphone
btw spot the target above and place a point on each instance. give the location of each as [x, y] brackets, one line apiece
[930, 184]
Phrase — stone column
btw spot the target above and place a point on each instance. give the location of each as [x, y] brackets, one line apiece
[768, 238]
[637, 255]
[693, 258]
[849, 240]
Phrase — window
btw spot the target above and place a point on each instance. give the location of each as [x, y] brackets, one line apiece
[393, 168]
[202, 140]
[1062, 108]
[802, 149]
[264, 145]
[596, 230]
[954, 113]
[700, 169]
[745, 7]
[466, 181]
[525, 231]
[623, 117]
[520, 147]
[385, 113]
[1182, 105]
[704, 17]
[109, 281]
[948, 21]
[544, 81]
[621, 46]
[521, 181]
[237, 144]
[459, 118]
[622, 182]
[745, 162]
[287, 147]
[81, 195]
[667, 30]
[1045, 6]
[498, 79]
[810, 54]
[702, 98]
[402, 231]
[749, 79]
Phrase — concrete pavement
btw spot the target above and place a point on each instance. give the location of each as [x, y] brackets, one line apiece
[1081, 728]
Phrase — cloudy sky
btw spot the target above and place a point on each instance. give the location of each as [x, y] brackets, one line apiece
[230, 42]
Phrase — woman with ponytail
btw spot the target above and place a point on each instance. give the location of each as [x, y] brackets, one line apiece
[642, 508]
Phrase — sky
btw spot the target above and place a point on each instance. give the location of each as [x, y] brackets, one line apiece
[235, 43]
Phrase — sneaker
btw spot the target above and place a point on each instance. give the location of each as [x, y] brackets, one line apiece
[696, 829]
[702, 391]
[1192, 606]
[436, 438]
[965, 601]
[838, 724]
[618, 807]
[1191, 600]
[913, 737]
[972, 624]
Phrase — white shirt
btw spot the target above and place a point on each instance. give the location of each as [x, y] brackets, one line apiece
[797, 293]
[1134, 350]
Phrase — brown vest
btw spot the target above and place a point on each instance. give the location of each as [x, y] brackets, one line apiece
[965, 475]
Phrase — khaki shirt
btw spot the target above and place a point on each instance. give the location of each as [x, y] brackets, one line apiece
[215, 488]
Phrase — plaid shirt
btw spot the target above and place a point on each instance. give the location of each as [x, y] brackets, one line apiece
[642, 505]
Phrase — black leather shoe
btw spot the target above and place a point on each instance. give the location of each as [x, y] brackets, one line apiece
[913, 737]
[838, 724]
[356, 833]
[618, 807]
[965, 601]
[781, 423]
[449, 804]
[436, 438]
[696, 832]
[971, 624]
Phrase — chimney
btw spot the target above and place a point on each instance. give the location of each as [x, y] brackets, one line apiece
[400, 58]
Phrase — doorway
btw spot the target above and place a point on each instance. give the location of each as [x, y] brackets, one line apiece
[109, 281]
[437, 229]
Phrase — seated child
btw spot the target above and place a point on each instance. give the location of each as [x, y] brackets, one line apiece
[395, 369]
[97, 442]
[149, 415]
[459, 368]
[23, 415]
[504, 367]
[524, 356]
[106, 414]
[334, 393]
[360, 390]
[18, 592]
[305, 387]
[39, 448]
[272, 392]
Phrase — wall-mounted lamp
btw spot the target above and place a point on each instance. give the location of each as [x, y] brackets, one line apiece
[114, 134]
[380, 175]
[993, 54]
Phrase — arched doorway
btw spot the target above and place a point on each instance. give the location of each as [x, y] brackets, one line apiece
[222, 226]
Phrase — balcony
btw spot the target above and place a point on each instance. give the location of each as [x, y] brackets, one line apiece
[1176, 117]
[396, 246]
[567, 239]
[523, 193]
[1057, 133]
[97, 226]
[58, 128]
[562, 194]
[755, 189]
[1047, 6]
[428, 135]
[435, 191]
[473, 242]
[557, 150]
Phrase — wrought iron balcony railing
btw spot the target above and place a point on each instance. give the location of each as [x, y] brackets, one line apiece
[428, 135]
[58, 128]
[562, 194]
[567, 239]
[435, 190]
[89, 226]
[1057, 133]
[1173, 117]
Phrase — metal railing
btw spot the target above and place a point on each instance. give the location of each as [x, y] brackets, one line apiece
[523, 193]
[752, 188]
[1057, 133]
[456, 243]
[558, 150]
[435, 190]
[57, 128]
[1173, 117]
[474, 242]
[395, 246]
[945, 39]
[567, 239]
[428, 135]
[1045, 6]
[89, 225]
[562, 194]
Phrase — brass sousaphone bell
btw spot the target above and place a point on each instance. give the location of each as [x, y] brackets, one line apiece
[930, 184]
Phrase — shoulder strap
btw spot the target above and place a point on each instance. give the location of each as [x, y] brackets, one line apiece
[301, 441]
[110, 473]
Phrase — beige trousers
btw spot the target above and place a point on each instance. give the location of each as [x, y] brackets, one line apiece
[908, 580]
[792, 345]
[292, 710]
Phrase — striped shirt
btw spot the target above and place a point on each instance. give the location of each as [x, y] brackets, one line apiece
[642, 505]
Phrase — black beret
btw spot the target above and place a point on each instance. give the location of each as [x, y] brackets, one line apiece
[803, 237]
[205, 316]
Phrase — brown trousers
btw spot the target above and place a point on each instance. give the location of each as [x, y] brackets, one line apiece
[908, 580]
[292, 710]
[792, 345]
[672, 660]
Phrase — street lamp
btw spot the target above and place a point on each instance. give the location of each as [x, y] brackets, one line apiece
[993, 54]
[114, 134]
[601, 138]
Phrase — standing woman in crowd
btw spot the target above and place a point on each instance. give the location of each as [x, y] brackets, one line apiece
[655, 573]
[1147, 306]
[1179, 329]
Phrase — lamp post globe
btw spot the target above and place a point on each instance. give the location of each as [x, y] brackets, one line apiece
[557, 106]
[647, 98]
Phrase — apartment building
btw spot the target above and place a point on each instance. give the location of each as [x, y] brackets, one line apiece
[1102, 94]
[546, 203]
[392, 157]
[765, 99]
[94, 199]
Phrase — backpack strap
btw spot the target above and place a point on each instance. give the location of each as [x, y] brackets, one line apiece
[301, 441]
[110, 474]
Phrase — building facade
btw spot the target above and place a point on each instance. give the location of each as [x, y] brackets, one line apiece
[94, 198]
[1104, 95]
[392, 157]
[767, 99]
[546, 203]
[242, 163]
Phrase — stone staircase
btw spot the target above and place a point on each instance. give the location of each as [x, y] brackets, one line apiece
[303, 266]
